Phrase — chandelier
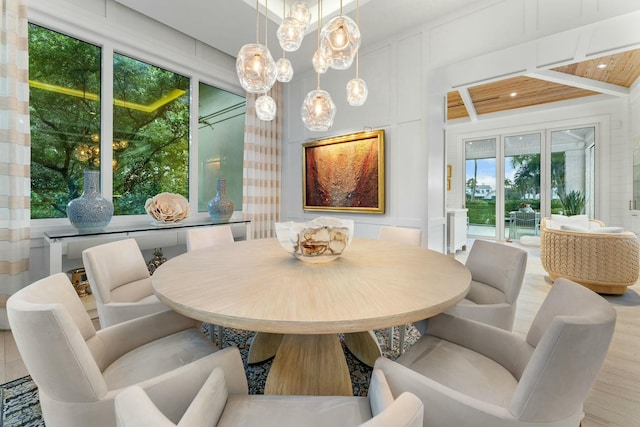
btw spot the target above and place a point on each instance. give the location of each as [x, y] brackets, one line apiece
[338, 43]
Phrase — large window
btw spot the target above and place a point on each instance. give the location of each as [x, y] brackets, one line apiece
[150, 134]
[221, 144]
[149, 138]
[64, 76]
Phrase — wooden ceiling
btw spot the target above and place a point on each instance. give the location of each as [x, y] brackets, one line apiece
[614, 72]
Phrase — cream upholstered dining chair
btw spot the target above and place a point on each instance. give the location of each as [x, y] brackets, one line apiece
[120, 282]
[79, 371]
[222, 401]
[497, 274]
[410, 236]
[482, 376]
[198, 238]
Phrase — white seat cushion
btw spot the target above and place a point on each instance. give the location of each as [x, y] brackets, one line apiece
[461, 369]
[167, 353]
[294, 411]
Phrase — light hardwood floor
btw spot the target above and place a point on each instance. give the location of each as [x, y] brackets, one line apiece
[614, 399]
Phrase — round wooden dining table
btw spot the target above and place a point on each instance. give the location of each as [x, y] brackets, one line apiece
[256, 285]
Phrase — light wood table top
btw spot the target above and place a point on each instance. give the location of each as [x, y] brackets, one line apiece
[255, 285]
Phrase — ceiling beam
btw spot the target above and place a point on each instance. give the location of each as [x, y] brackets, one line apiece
[468, 103]
[580, 82]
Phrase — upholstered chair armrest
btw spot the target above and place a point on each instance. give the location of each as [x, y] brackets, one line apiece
[509, 349]
[134, 408]
[443, 406]
[405, 411]
[112, 342]
[175, 391]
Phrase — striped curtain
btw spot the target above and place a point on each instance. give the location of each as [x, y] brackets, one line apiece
[14, 151]
[262, 168]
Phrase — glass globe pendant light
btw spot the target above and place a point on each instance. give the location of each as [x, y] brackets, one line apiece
[290, 34]
[318, 109]
[357, 91]
[320, 63]
[255, 66]
[301, 13]
[285, 70]
[340, 40]
[266, 108]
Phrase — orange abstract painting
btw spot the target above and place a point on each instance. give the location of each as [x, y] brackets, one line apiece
[345, 173]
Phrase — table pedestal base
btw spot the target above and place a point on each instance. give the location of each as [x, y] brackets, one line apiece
[364, 346]
[263, 347]
[309, 365]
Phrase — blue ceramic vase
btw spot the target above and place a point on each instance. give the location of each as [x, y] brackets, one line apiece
[90, 212]
[221, 207]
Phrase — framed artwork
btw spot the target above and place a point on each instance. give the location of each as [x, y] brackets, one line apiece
[344, 173]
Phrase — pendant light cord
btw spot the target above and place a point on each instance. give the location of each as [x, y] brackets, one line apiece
[257, 21]
[319, 25]
[358, 24]
[284, 12]
[266, 21]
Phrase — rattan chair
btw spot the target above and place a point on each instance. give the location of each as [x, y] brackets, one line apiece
[603, 262]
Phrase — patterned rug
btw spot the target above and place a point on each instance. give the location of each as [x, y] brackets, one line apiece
[21, 408]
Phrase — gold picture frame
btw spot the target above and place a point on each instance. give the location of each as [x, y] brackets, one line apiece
[344, 173]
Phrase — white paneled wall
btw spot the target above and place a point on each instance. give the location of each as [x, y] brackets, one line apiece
[396, 76]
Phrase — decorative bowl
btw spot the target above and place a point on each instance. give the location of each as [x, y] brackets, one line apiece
[320, 240]
[167, 208]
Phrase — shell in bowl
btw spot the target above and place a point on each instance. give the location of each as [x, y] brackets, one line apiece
[168, 208]
[320, 240]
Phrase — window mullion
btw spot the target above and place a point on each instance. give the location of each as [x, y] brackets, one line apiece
[106, 128]
[194, 167]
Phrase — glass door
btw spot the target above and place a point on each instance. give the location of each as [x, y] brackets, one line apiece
[480, 188]
[522, 190]
[573, 171]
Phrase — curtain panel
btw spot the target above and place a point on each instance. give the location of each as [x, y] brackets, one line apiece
[262, 168]
[15, 155]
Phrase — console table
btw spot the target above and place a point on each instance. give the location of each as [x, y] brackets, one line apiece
[68, 241]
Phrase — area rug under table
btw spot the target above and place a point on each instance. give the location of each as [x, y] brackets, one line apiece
[21, 408]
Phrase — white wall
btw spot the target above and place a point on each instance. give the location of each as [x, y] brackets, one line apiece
[396, 76]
